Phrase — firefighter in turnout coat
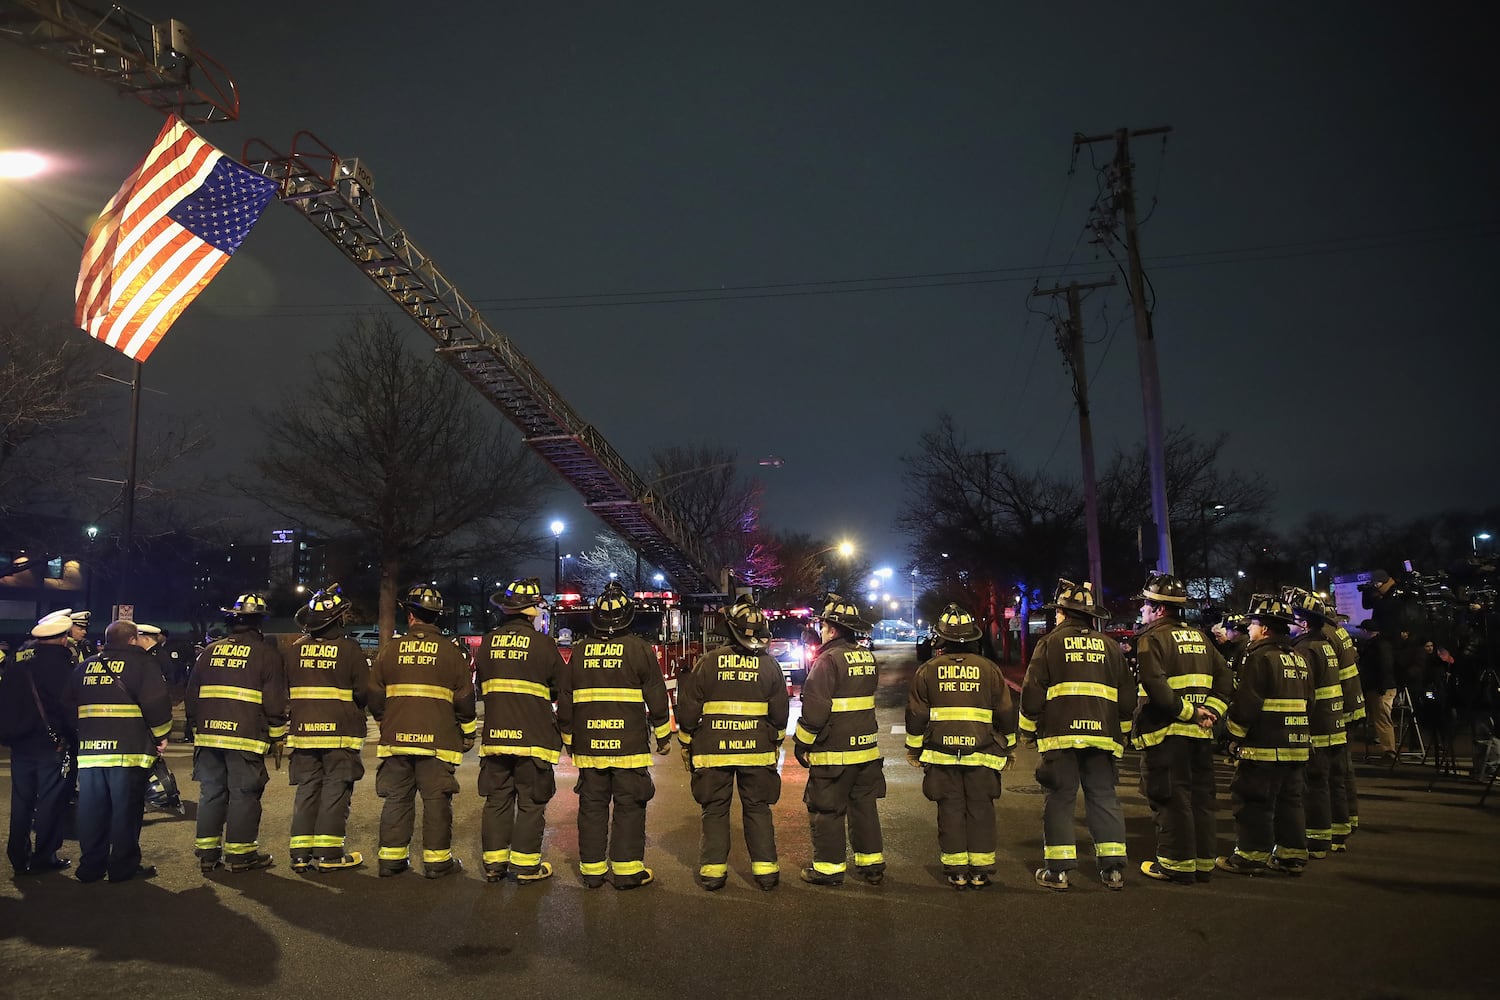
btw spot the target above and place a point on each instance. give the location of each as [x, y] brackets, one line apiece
[519, 671]
[1326, 801]
[1185, 687]
[613, 701]
[1076, 703]
[1268, 720]
[960, 729]
[124, 716]
[731, 719]
[1354, 711]
[422, 693]
[838, 740]
[237, 700]
[327, 673]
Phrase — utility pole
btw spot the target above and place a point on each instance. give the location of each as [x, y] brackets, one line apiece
[1070, 340]
[1145, 339]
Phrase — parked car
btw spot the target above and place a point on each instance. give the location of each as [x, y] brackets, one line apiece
[368, 636]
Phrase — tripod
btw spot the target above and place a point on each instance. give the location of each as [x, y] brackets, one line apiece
[1407, 710]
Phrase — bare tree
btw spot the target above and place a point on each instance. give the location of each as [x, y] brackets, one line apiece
[396, 448]
[720, 507]
[47, 382]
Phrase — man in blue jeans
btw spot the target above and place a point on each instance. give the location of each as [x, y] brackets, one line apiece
[38, 731]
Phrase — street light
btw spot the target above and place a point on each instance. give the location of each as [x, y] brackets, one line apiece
[557, 529]
[1312, 575]
[1482, 536]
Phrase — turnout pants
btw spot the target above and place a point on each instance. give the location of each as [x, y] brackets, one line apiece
[1351, 798]
[320, 813]
[111, 806]
[833, 792]
[965, 796]
[516, 791]
[1060, 774]
[1327, 799]
[38, 801]
[713, 788]
[229, 787]
[613, 840]
[1266, 798]
[1178, 782]
[398, 780]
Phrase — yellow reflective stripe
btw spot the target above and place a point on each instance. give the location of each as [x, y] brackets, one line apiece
[469, 728]
[297, 842]
[277, 731]
[914, 740]
[967, 760]
[249, 848]
[1215, 705]
[805, 735]
[207, 843]
[845, 756]
[450, 756]
[230, 692]
[765, 867]
[1187, 711]
[625, 760]
[1083, 690]
[1331, 740]
[395, 853]
[627, 867]
[109, 711]
[662, 731]
[780, 735]
[323, 693]
[220, 742]
[961, 858]
[1190, 730]
[1027, 724]
[1182, 867]
[1181, 681]
[1125, 726]
[325, 742]
[866, 860]
[852, 704]
[950, 714]
[1350, 671]
[713, 871]
[117, 760]
[830, 867]
[593, 867]
[1109, 850]
[520, 860]
[1331, 691]
[735, 759]
[629, 695]
[419, 691]
[540, 753]
[1236, 730]
[327, 840]
[437, 857]
[1285, 705]
[1080, 743]
[162, 730]
[1068, 852]
[684, 737]
[980, 859]
[736, 708]
[1287, 754]
[507, 685]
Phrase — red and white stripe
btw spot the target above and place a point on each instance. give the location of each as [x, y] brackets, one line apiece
[140, 269]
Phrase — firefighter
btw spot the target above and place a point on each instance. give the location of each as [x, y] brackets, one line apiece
[327, 675]
[124, 715]
[613, 700]
[422, 694]
[238, 703]
[731, 720]
[960, 729]
[1185, 686]
[161, 788]
[1325, 801]
[837, 739]
[39, 731]
[1354, 711]
[1229, 636]
[1268, 722]
[519, 671]
[1076, 704]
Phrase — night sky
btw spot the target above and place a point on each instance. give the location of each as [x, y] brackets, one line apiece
[675, 210]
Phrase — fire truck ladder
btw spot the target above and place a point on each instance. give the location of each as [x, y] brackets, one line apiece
[336, 196]
[155, 62]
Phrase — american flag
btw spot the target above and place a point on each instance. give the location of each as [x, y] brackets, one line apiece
[162, 238]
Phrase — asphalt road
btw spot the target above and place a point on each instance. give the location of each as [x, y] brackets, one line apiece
[1412, 910]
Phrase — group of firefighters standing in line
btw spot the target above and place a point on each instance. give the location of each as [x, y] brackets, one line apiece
[1283, 708]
